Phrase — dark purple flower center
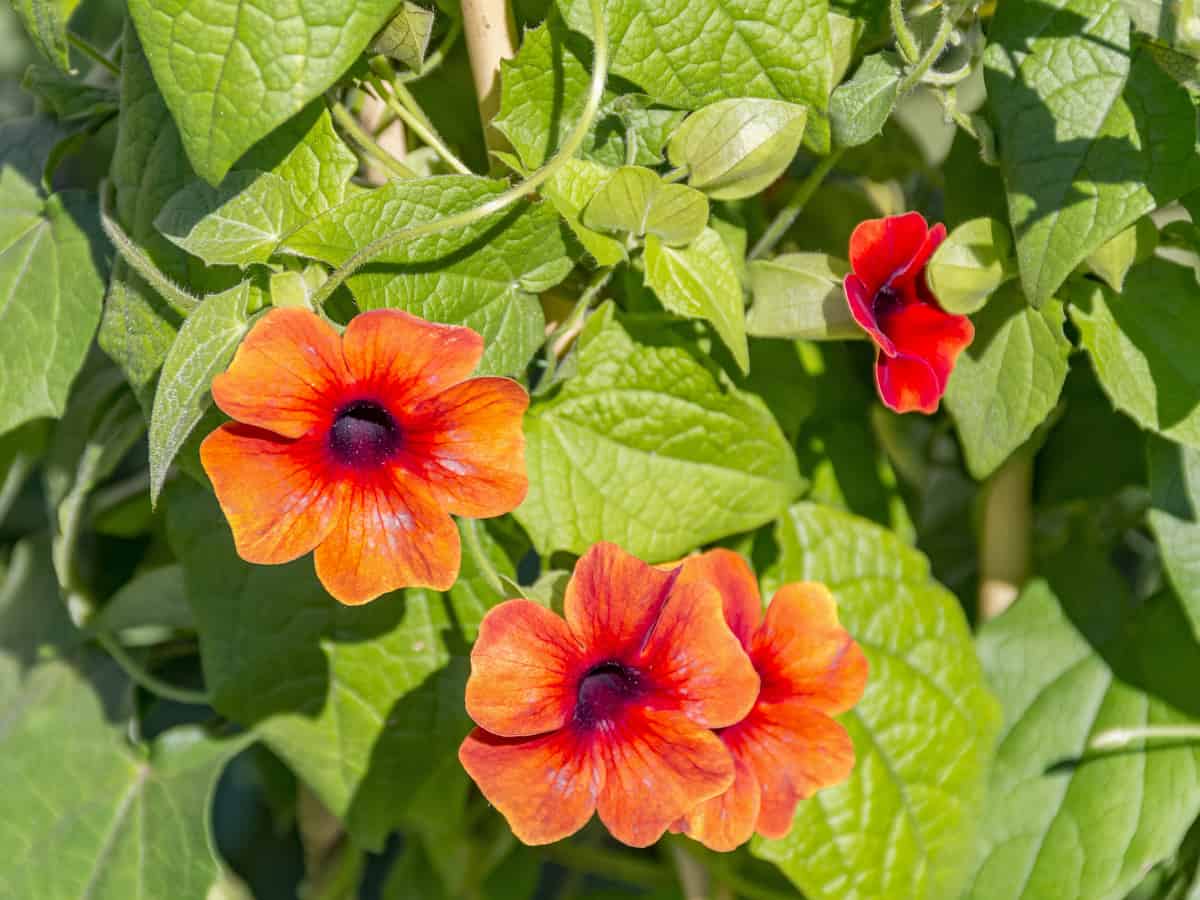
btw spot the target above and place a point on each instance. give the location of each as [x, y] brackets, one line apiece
[887, 301]
[603, 691]
[364, 434]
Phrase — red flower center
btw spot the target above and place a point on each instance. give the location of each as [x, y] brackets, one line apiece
[364, 434]
[603, 691]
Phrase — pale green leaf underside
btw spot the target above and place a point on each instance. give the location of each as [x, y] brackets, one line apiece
[689, 53]
[636, 201]
[902, 825]
[1142, 343]
[1175, 519]
[1055, 825]
[233, 70]
[1089, 140]
[646, 447]
[1008, 380]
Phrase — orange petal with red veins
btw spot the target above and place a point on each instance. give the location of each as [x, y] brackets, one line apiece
[286, 376]
[524, 668]
[794, 751]
[658, 766]
[388, 535]
[545, 786]
[803, 652]
[881, 248]
[734, 580]
[692, 656]
[468, 445]
[613, 599]
[405, 358]
[274, 491]
[727, 821]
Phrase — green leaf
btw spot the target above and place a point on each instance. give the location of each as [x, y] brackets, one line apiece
[700, 281]
[1061, 684]
[1009, 379]
[859, 107]
[230, 77]
[629, 129]
[205, 346]
[1113, 260]
[46, 23]
[239, 222]
[1089, 141]
[800, 295]
[406, 37]
[84, 813]
[1142, 344]
[472, 596]
[153, 603]
[363, 703]
[689, 53]
[570, 189]
[736, 148]
[902, 825]
[52, 272]
[649, 447]
[637, 201]
[1175, 519]
[974, 260]
[486, 277]
[69, 99]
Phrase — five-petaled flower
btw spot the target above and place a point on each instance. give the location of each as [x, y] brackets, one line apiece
[611, 710]
[788, 746]
[360, 446]
[916, 340]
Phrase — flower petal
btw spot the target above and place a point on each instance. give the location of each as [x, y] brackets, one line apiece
[276, 493]
[923, 332]
[658, 766]
[906, 384]
[286, 376]
[880, 248]
[862, 308]
[802, 651]
[524, 668]
[734, 580]
[468, 445]
[389, 535]
[613, 600]
[546, 787]
[727, 821]
[404, 358]
[794, 751]
[695, 660]
[906, 278]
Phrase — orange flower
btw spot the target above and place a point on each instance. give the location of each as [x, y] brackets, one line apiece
[788, 746]
[360, 447]
[609, 711]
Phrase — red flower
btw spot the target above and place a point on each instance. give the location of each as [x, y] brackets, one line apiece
[788, 746]
[916, 340]
[360, 446]
[610, 710]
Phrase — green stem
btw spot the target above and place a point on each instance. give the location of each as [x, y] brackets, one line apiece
[438, 56]
[905, 39]
[795, 205]
[178, 298]
[92, 52]
[676, 175]
[503, 200]
[923, 65]
[150, 682]
[1115, 738]
[363, 138]
[475, 545]
[610, 864]
[419, 125]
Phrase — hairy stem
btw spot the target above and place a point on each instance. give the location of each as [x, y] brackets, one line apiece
[150, 682]
[419, 125]
[795, 204]
[1115, 738]
[367, 142]
[906, 41]
[925, 63]
[92, 52]
[502, 200]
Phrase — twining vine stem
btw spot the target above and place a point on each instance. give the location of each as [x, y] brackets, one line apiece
[92, 52]
[419, 126]
[795, 204]
[502, 200]
[925, 63]
[364, 139]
